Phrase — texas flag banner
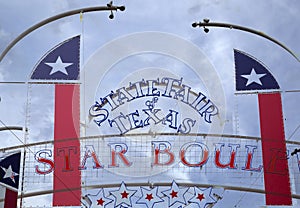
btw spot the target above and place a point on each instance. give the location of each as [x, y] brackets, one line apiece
[9, 178]
[60, 66]
[252, 75]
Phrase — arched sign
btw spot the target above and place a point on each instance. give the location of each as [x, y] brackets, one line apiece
[141, 124]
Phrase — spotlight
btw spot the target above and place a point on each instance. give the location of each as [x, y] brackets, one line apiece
[109, 4]
[195, 24]
[111, 16]
[206, 30]
[122, 8]
[206, 20]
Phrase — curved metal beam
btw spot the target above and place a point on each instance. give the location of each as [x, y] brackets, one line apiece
[206, 23]
[56, 17]
[233, 188]
[142, 134]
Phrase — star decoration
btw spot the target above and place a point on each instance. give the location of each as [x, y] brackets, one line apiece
[152, 197]
[175, 194]
[99, 200]
[123, 195]
[9, 173]
[202, 197]
[59, 66]
[149, 197]
[253, 77]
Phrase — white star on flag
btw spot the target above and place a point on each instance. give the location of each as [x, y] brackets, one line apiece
[149, 197]
[123, 195]
[253, 77]
[202, 197]
[59, 66]
[175, 194]
[9, 173]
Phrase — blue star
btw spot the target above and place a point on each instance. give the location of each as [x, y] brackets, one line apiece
[149, 197]
[202, 197]
[175, 194]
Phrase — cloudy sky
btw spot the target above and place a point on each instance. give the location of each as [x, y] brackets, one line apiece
[32, 106]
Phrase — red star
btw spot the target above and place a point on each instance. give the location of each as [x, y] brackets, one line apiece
[173, 194]
[124, 195]
[149, 197]
[200, 197]
[100, 202]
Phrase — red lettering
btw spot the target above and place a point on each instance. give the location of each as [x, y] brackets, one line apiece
[204, 150]
[160, 149]
[66, 153]
[45, 161]
[250, 152]
[90, 153]
[276, 162]
[230, 164]
[119, 150]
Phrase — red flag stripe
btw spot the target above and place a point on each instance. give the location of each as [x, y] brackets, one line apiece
[11, 198]
[67, 153]
[276, 172]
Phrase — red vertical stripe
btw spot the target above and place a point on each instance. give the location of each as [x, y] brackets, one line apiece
[67, 178]
[276, 172]
[11, 198]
